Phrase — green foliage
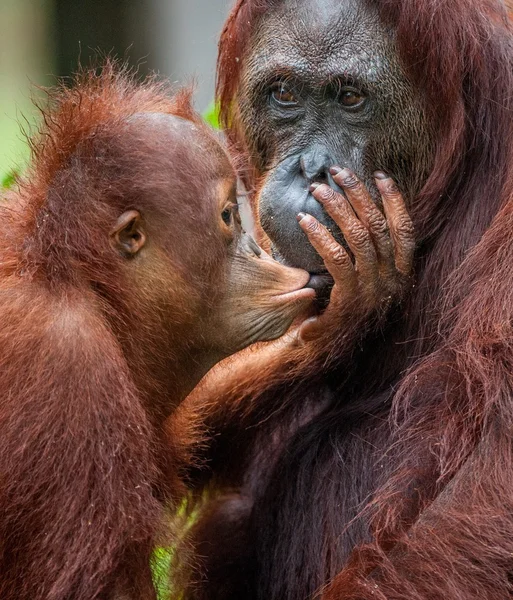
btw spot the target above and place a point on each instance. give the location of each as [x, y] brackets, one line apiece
[211, 116]
[161, 566]
[9, 179]
[162, 558]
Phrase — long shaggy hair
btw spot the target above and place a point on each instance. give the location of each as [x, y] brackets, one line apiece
[421, 452]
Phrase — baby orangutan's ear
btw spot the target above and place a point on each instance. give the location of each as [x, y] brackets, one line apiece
[128, 236]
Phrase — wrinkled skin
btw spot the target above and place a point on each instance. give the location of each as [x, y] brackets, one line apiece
[328, 91]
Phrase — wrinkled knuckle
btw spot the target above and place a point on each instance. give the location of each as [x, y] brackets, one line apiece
[405, 231]
[378, 225]
[351, 181]
[390, 189]
[359, 236]
[338, 257]
[312, 226]
[328, 195]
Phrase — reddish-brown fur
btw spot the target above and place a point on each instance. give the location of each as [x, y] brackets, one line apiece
[84, 467]
[124, 276]
[422, 435]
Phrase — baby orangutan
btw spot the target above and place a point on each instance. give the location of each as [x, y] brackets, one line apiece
[124, 276]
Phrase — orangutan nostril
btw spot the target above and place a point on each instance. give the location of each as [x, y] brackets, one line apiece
[313, 167]
[321, 177]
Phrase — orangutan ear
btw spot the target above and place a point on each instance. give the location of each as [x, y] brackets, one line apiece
[128, 235]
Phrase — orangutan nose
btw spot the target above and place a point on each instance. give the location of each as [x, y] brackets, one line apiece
[314, 165]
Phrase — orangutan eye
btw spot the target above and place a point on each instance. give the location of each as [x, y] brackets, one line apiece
[228, 214]
[282, 95]
[350, 98]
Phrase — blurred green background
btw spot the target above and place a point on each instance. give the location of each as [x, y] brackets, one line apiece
[44, 39]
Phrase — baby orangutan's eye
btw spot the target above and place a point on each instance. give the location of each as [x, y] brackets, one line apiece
[228, 213]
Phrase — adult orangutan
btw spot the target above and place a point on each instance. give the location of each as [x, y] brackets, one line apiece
[124, 276]
[377, 461]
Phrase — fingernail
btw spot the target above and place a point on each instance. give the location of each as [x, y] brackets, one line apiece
[300, 216]
[335, 170]
[314, 186]
[380, 175]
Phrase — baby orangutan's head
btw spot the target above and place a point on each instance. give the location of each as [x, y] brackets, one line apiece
[180, 236]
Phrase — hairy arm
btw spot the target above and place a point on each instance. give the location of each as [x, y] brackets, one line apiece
[76, 503]
[460, 547]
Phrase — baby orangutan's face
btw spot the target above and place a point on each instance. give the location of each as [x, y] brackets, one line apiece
[254, 297]
[250, 296]
[215, 290]
[259, 298]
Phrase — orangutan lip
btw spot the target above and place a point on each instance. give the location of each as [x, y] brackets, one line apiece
[322, 284]
[301, 295]
[320, 281]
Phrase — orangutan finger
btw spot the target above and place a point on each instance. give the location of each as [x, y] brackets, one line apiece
[335, 257]
[399, 221]
[367, 211]
[355, 233]
[319, 325]
[311, 329]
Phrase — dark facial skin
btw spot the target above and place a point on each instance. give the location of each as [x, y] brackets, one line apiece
[328, 91]
[215, 290]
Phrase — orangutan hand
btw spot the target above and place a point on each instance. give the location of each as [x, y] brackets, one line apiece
[381, 245]
[240, 370]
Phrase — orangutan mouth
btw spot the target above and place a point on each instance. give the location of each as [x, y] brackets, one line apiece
[322, 284]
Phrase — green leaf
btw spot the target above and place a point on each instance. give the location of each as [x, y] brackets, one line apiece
[211, 116]
[161, 566]
[9, 179]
